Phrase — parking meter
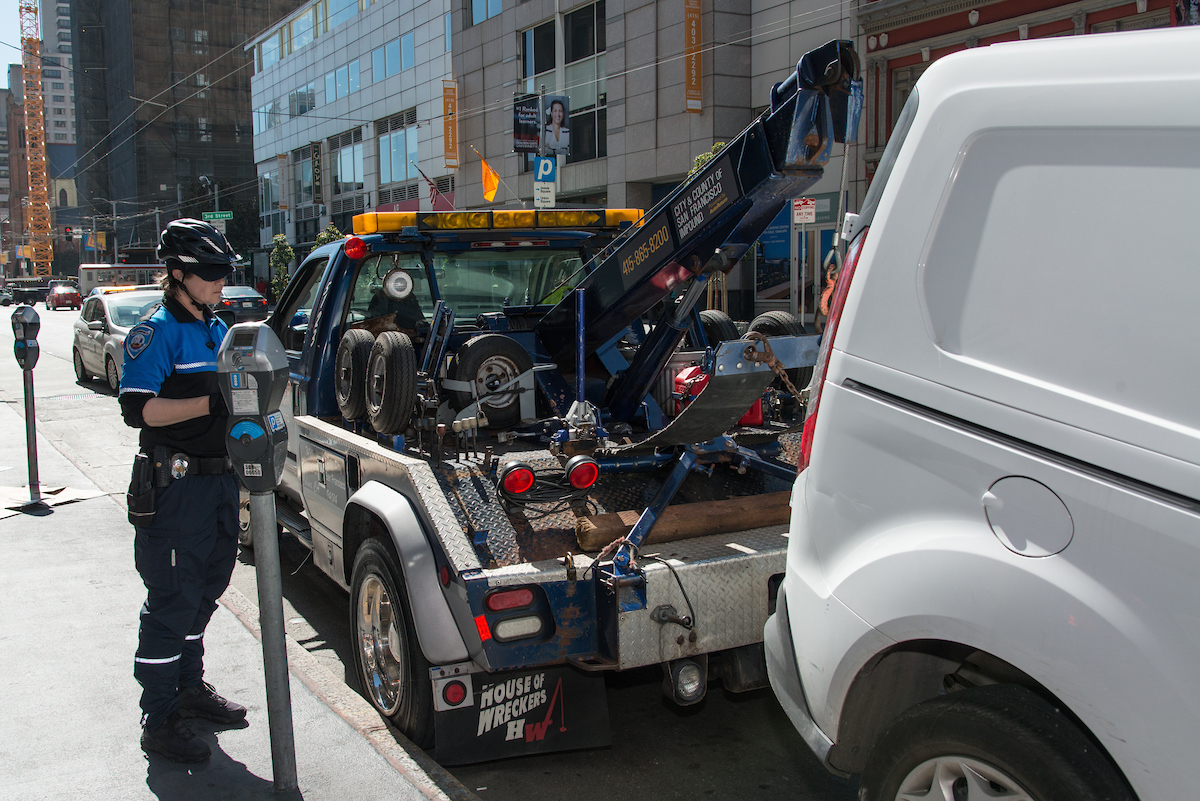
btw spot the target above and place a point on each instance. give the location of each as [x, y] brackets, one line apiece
[26, 325]
[252, 368]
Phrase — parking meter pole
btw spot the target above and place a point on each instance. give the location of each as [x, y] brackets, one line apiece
[274, 645]
[252, 369]
[25, 325]
[35, 492]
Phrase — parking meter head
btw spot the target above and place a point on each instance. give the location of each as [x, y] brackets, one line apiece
[26, 324]
[252, 370]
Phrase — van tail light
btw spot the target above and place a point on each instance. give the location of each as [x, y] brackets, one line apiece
[845, 275]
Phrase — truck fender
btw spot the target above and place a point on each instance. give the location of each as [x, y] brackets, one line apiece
[437, 633]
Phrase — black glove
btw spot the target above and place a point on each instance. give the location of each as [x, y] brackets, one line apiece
[216, 405]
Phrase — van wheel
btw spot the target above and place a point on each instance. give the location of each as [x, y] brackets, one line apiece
[393, 670]
[488, 361]
[779, 323]
[110, 373]
[350, 372]
[998, 741]
[391, 390]
[81, 373]
[718, 327]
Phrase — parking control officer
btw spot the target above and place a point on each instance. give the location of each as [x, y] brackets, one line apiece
[183, 499]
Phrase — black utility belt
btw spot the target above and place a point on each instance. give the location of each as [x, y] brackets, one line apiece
[171, 464]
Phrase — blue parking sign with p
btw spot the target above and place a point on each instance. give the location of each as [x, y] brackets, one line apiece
[544, 169]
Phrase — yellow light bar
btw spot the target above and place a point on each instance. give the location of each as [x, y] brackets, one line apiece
[382, 222]
[378, 222]
[457, 220]
[514, 219]
[615, 217]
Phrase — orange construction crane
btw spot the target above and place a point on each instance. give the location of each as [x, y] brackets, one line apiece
[35, 141]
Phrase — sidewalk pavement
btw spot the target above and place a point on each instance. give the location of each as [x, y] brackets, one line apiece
[68, 630]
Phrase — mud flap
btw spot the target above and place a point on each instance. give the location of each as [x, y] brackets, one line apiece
[517, 713]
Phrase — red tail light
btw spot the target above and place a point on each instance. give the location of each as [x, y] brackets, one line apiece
[516, 478]
[582, 471]
[509, 599]
[454, 693]
[831, 326]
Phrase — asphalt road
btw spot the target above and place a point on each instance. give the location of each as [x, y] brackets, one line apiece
[727, 747]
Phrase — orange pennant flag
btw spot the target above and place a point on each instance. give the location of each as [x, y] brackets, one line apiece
[491, 181]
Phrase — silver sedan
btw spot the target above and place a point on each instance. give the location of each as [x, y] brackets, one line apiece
[100, 331]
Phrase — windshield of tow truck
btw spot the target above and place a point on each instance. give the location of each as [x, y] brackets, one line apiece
[478, 281]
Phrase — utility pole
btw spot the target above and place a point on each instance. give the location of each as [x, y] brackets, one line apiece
[116, 237]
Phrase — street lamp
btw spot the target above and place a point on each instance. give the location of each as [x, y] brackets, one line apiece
[216, 190]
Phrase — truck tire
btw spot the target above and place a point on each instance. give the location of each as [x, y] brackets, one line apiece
[967, 745]
[350, 372]
[718, 327]
[391, 388]
[389, 661]
[487, 361]
[779, 323]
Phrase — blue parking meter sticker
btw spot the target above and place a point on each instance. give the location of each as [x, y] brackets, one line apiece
[275, 421]
[235, 381]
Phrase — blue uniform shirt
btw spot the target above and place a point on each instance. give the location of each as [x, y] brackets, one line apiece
[171, 354]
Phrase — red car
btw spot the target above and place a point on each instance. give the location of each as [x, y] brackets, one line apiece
[61, 296]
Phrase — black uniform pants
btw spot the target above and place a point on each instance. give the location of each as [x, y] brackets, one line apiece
[185, 560]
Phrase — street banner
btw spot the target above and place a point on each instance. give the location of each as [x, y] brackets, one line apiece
[318, 189]
[556, 134]
[281, 166]
[692, 42]
[526, 124]
[450, 122]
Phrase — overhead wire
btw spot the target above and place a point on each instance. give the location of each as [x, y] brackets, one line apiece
[811, 19]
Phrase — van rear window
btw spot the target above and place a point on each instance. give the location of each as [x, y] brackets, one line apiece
[888, 160]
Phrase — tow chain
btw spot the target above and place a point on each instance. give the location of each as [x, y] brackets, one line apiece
[768, 357]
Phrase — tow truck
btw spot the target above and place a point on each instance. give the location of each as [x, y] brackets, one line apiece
[490, 447]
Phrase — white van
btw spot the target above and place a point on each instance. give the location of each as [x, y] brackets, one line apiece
[993, 574]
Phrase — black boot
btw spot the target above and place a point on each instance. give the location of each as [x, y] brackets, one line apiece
[174, 740]
[202, 701]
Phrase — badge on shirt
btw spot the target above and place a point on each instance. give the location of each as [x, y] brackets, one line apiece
[137, 340]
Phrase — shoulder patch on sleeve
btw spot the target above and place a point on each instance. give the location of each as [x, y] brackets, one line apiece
[137, 339]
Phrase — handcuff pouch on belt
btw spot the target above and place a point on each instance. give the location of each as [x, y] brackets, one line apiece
[139, 501]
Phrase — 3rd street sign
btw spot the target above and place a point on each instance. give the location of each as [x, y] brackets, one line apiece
[209, 216]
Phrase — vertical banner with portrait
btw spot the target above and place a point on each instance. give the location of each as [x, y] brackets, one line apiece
[692, 42]
[527, 126]
[556, 134]
[450, 122]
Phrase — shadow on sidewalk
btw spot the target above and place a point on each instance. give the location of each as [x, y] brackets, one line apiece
[220, 778]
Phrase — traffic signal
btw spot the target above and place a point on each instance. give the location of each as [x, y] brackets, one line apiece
[70, 234]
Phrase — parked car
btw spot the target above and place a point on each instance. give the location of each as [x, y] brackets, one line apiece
[6, 297]
[995, 535]
[63, 295]
[240, 304]
[100, 331]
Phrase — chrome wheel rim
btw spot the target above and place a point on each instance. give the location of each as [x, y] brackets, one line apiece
[110, 369]
[492, 373]
[959, 778]
[382, 648]
[75, 357]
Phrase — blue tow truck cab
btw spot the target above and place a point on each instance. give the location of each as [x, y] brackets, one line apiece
[490, 449]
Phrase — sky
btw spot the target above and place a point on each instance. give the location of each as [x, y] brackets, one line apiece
[10, 38]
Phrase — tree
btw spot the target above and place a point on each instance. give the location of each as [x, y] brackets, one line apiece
[330, 234]
[281, 257]
[704, 158]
